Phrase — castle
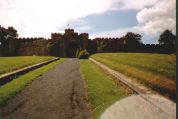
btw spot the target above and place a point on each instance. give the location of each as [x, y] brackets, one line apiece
[67, 44]
[63, 45]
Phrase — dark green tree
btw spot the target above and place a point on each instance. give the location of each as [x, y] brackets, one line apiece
[133, 38]
[9, 33]
[168, 41]
[132, 41]
[167, 38]
[5, 36]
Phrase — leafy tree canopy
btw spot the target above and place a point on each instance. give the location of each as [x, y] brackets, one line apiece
[8, 33]
[167, 38]
[133, 38]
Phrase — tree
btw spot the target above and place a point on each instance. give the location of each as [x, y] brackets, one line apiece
[167, 38]
[132, 38]
[5, 36]
[132, 41]
[12, 33]
[9, 33]
[168, 41]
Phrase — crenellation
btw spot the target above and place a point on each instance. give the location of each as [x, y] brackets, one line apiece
[67, 44]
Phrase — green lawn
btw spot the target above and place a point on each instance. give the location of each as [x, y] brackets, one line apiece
[10, 89]
[157, 71]
[8, 64]
[102, 90]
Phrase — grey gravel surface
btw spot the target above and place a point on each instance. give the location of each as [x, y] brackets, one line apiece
[58, 94]
[137, 107]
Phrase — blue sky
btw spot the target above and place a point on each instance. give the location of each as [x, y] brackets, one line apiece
[114, 20]
[99, 18]
[110, 20]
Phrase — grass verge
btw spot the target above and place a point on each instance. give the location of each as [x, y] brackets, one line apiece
[8, 64]
[102, 90]
[157, 71]
[10, 89]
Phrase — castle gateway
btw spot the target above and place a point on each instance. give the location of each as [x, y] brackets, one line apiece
[69, 42]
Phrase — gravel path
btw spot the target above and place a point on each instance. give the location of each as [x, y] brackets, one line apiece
[58, 94]
[136, 107]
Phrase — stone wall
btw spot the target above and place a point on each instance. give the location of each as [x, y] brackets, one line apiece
[33, 46]
[120, 45]
[63, 45]
[8, 47]
[109, 44]
[66, 45]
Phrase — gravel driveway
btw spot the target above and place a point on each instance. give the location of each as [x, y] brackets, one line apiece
[58, 94]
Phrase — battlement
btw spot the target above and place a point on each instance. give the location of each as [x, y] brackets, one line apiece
[69, 34]
[66, 45]
[151, 45]
[107, 39]
[69, 30]
[30, 39]
[84, 35]
[55, 36]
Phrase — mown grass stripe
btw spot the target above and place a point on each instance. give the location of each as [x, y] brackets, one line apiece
[102, 90]
[157, 71]
[8, 64]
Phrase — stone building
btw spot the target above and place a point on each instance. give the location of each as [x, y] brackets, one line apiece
[32, 46]
[70, 42]
[67, 44]
[63, 45]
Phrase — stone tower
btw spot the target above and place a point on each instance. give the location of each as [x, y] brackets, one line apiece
[70, 42]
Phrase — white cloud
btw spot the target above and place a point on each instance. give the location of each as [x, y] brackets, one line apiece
[154, 16]
[158, 26]
[33, 18]
[159, 17]
[165, 8]
[135, 4]
[41, 17]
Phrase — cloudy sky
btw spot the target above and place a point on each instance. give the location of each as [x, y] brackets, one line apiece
[99, 18]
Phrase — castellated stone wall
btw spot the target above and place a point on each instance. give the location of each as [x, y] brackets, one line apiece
[33, 46]
[109, 44]
[63, 45]
[67, 44]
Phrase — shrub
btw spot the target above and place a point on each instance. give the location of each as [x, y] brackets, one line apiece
[82, 54]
